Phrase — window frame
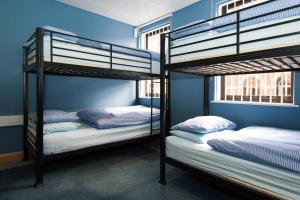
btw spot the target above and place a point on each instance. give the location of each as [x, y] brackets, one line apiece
[220, 95]
[163, 28]
[221, 5]
[142, 89]
[157, 30]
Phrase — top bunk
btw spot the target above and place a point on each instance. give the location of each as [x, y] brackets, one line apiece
[258, 39]
[64, 53]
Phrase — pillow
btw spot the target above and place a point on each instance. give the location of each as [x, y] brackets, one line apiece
[198, 138]
[205, 124]
[53, 116]
[92, 115]
[62, 37]
[60, 127]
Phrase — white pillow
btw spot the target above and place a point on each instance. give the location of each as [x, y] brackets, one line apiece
[60, 127]
[205, 124]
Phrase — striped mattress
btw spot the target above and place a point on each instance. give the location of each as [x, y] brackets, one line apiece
[271, 146]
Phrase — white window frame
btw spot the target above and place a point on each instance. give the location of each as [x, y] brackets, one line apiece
[243, 4]
[217, 95]
[260, 91]
[155, 31]
[145, 90]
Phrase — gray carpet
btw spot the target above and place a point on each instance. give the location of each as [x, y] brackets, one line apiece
[126, 173]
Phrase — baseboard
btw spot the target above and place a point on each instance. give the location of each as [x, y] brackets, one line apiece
[9, 158]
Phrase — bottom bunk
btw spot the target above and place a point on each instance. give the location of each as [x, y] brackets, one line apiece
[87, 136]
[65, 132]
[259, 159]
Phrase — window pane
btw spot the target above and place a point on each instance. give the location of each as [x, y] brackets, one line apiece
[265, 88]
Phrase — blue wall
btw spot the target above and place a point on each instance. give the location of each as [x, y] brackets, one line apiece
[18, 20]
[186, 96]
[187, 90]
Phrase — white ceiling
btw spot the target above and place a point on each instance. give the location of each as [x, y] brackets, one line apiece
[133, 12]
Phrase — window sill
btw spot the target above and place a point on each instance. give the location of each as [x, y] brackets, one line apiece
[149, 97]
[257, 104]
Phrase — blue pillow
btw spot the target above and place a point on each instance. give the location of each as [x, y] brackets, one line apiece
[205, 124]
[92, 115]
[198, 138]
[60, 127]
[54, 116]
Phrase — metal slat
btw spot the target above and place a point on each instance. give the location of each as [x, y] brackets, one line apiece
[294, 60]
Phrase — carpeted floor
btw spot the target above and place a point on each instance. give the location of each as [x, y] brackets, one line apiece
[126, 173]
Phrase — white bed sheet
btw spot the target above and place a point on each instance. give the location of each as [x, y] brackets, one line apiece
[276, 181]
[244, 48]
[87, 136]
[90, 55]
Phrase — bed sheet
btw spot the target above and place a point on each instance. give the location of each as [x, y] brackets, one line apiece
[281, 182]
[87, 136]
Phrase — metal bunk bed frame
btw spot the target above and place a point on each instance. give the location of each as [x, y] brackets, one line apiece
[34, 147]
[220, 66]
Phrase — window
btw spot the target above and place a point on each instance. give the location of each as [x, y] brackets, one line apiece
[151, 41]
[145, 88]
[260, 88]
[234, 5]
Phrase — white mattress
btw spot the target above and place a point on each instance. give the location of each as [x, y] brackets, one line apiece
[244, 48]
[67, 51]
[272, 180]
[87, 136]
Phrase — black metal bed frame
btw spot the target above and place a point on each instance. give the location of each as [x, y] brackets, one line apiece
[220, 66]
[34, 50]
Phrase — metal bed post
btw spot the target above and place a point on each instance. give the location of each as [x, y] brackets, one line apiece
[25, 105]
[162, 112]
[238, 32]
[39, 107]
[51, 46]
[168, 113]
[111, 56]
[137, 92]
[206, 96]
[151, 101]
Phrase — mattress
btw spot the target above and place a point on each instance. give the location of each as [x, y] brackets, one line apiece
[231, 39]
[76, 54]
[279, 182]
[87, 136]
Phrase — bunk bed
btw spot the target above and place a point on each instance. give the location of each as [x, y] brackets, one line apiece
[259, 39]
[51, 51]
